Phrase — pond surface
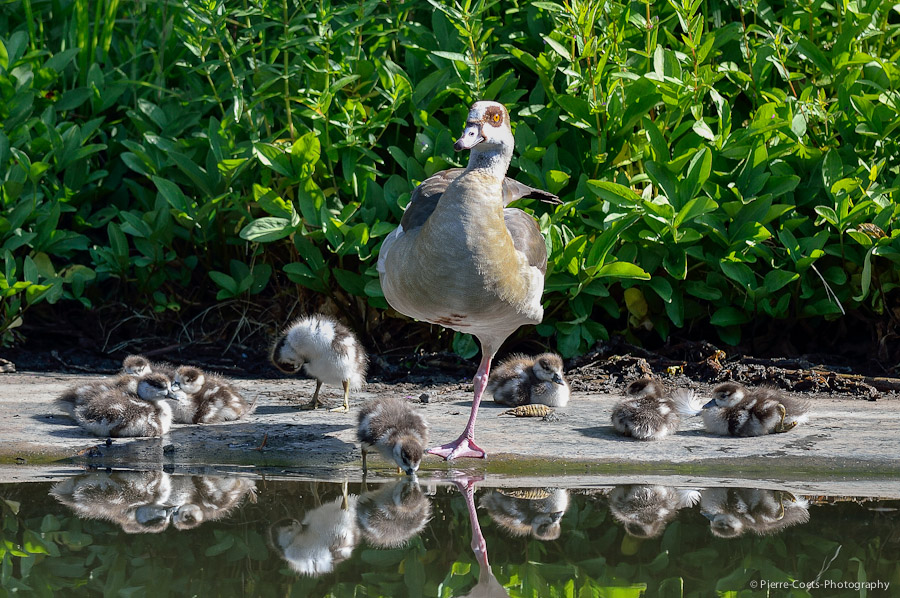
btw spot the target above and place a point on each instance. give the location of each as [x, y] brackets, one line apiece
[126, 533]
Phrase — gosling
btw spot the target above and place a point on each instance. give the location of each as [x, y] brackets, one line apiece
[207, 399]
[327, 350]
[114, 412]
[392, 428]
[648, 414]
[519, 380]
[738, 411]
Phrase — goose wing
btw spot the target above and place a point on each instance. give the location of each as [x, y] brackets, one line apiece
[426, 196]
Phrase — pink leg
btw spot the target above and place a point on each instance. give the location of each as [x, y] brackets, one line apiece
[466, 486]
[465, 446]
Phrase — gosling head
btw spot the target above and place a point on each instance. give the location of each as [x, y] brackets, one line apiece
[136, 365]
[726, 395]
[644, 387]
[408, 454]
[155, 387]
[286, 354]
[187, 516]
[549, 367]
[189, 379]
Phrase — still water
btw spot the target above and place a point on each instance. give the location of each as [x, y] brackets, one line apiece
[126, 533]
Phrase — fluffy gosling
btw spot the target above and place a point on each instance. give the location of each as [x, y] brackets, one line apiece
[520, 379]
[392, 428]
[327, 350]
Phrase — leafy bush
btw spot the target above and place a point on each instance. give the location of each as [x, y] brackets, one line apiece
[717, 167]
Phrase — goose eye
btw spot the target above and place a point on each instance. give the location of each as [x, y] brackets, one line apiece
[496, 118]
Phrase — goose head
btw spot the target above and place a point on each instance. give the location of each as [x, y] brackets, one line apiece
[189, 379]
[726, 395]
[488, 135]
[155, 387]
[549, 367]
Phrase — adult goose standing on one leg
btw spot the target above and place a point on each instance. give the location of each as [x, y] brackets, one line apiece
[463, 260]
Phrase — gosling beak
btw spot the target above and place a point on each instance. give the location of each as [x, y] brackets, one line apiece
[471, 136]
[710, 404]
[557, 379]
[709, 516]
[171, 394]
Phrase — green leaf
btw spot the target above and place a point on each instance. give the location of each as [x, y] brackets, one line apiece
[623, 270]
[776, 279]
[267, 229]
[728, 316]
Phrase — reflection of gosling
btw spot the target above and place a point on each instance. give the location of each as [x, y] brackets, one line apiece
[324, 538]
[645, 510]
[133, 500]
[536, 512]
[520, 379]
[330, 352]
[207, 399]
[648, 414]
[113, 412]
[391, 427]
[196, 499]
[733, 512]
[738, 411]
[393, 514]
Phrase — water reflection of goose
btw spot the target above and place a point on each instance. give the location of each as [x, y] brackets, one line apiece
[196, 499]
[733, 512]
[325, 537]
[534, 511]
[645, 510]
[148, 501]
[393, 514]
[133, 500]
[487, 586]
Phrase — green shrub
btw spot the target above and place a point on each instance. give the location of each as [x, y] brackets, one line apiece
[717, 166]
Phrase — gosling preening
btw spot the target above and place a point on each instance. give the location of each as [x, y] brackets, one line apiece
[326, 350]
[648, 414]
[114, 412]
[738, 411]
[520, 379]
[391, 427]
[206, 398]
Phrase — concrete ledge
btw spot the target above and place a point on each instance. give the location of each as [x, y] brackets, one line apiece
[848, 441]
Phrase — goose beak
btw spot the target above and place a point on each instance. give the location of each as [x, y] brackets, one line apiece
[471, 136]
[557, 379]
[710, 404]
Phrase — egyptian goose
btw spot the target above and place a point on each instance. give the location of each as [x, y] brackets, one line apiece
[536, 512]
[519, 380]
[391, 427]
[114, 412]
[738, 411]
[134, 500]
[733, 512]
[330, 352]
[391, 515]
[138, 365]
[325, 537]
[644, 510]
[196, 499]
[648, 414]
[463, 260]
[207, 399]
